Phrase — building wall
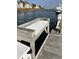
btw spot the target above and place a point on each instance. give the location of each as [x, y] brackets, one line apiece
[37, 6]
[21, 5]
[18, 5]
[28, 6]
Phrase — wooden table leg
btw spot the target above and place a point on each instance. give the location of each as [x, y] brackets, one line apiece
[32, 44]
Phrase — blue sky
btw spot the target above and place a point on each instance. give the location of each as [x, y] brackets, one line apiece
[46, 3]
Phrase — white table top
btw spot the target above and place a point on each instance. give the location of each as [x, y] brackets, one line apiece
[37, 26]
[21, 49]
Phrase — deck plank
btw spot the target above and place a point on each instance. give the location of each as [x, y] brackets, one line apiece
[53, 47]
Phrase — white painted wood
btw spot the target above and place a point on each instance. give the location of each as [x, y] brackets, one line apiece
[25, 56]
[38, 25]
[23, 33]
[42, 46]
[21, 50]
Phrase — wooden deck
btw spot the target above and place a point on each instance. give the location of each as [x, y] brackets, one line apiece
[53, 47]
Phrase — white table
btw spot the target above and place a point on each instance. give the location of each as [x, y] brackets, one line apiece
[31, 31]
[22, 50]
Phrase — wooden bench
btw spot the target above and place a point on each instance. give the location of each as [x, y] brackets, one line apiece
[31, 31]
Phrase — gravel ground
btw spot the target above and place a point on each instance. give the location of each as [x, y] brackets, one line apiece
[53, 47]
